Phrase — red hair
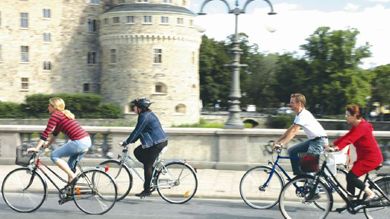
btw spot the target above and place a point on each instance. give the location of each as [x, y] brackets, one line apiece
[354, 110]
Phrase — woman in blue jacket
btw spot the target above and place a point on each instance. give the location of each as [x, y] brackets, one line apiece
[152, 136]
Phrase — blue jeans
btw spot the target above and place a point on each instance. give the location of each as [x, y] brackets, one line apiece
[72, 149]
[314, 146]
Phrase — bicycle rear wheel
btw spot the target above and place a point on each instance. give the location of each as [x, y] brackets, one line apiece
[177, 183]
[381, 207]
[121, 175]
[254, 190]
[298, 196]
[94, 192]
[23, 190]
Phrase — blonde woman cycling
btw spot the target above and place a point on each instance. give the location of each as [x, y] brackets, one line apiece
[62, 120]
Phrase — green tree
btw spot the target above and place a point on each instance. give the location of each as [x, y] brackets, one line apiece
[335, 78]
[214, 77]
[381, 84]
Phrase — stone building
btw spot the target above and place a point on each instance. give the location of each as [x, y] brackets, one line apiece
[120, 49]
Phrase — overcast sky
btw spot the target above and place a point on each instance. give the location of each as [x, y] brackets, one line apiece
[296, 20]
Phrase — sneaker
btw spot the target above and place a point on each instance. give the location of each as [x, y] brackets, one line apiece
[143, 194]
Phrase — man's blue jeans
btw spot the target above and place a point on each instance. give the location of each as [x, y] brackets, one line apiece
[314, 146]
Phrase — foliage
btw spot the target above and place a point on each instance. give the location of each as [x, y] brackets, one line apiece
[381, 84]
[82, 105]
[280, 122]
[11, 110]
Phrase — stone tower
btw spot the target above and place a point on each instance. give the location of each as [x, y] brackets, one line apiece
[122, 49]
[150, 49]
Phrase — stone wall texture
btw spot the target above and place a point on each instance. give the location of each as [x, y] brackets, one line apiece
[104, 47]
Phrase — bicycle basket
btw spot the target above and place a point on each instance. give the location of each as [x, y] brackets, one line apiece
[309, 163]
[22, 157]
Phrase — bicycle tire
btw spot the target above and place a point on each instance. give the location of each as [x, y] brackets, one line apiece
[121, 175]
[177, 182]
[94, 192]
[24, 190]
[252, 191]
[383, 203]
[294, 195]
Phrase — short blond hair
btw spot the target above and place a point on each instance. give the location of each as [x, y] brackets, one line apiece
[299, 98]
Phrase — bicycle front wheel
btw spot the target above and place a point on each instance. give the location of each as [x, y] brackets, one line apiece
[259, 189]
[23, 190]
[121, 175]
[300, 195]
[177, 183]
[94, 192]
[381, 207]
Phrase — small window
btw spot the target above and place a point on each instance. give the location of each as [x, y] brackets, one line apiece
[24, 20]
[180, 108]
[191, 22]
[24, 83]
[167, 1]
[92, 25]
[113, 58]
[147, 19]
[24, 54]
[130, 19]
[161, 88]
[193, 57]
[46, 13]
[180, 20]
[86, 88]
[116, 20]
[142, 1]
[105, 20]
[157, 56]
[164, 20]
[47, 65]
[91, 59]
[47, 37]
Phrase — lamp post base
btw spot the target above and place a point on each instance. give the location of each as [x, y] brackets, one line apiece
[234, 121]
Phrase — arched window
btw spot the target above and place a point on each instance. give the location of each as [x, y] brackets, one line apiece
[161, 88]
[180, 108]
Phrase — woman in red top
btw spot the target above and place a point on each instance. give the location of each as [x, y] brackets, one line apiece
[369, 155]
[62, 120]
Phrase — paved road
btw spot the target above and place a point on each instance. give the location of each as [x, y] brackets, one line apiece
[156, 208]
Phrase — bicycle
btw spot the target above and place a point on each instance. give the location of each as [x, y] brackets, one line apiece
[24, 189]
[175, 181]
[305, 189]
[258, 184]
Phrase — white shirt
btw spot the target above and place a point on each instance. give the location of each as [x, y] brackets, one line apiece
[309, 124]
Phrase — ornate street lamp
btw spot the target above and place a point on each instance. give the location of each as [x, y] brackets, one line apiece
[234, 120]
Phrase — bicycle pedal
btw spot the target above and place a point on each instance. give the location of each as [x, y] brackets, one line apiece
[340, 210]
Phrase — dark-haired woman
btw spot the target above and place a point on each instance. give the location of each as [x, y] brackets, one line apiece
[152, 136]
[369, 155]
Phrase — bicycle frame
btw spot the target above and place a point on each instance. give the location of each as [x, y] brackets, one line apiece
[274, 165]
[332, 181]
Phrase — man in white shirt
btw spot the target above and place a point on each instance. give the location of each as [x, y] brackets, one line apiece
[315, 132]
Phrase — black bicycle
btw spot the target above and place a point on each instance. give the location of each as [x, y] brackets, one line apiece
[313, 195]
[24, 189]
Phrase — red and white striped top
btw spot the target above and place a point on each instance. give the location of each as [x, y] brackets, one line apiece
[58, 122]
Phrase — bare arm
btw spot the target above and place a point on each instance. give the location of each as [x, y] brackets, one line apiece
[288, 135]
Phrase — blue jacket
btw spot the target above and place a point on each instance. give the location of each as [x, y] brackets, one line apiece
[148, 129]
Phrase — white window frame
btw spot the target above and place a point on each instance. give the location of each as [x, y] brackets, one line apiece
[24, 54]
[180, 21]
[167, 1]
[23, 20]
[164, 20]
[24, 84]
[46, 13]
[148, 19]
[47, 37]
[47, 65]
[130, 19]
[157, 56]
